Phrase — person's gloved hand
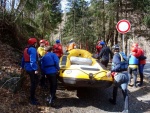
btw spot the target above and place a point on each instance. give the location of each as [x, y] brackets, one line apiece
[36, 72]
[108, 74]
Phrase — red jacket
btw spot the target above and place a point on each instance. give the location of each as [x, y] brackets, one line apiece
[57, 49]
[98, 49]
[138, 54]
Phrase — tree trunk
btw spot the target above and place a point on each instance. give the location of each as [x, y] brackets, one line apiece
[104, 20]
[117, 19]
[12, 6]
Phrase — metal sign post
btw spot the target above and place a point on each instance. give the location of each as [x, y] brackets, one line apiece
[123, 26]
[123, 48]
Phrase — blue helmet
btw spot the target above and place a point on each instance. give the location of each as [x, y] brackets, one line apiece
[102, 43]
[57, 41]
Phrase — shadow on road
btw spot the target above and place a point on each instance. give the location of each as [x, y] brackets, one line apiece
[99, 99]
[147, 71]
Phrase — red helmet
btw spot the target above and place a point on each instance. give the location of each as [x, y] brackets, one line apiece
[42, 41]
[46, 43]
[32, 41]
[135, 45]
[134, 49]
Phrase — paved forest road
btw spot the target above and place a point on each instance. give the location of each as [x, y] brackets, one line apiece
[96, 100]
[147, 71]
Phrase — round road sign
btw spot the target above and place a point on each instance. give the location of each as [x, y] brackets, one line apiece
[123, 26]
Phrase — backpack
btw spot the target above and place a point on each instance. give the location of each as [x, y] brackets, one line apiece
[124, 61]
[142, 57]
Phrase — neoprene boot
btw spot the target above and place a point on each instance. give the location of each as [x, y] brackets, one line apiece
[141, 80]
[52, 102]
[113, 100]
[34, 102]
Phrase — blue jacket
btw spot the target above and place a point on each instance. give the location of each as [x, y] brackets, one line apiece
[32, 65]
[104, 53]
[117, 62]
[50, 63]
[133, 60]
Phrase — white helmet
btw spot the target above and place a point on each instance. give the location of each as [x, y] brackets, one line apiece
[116, 46]
[71, 39]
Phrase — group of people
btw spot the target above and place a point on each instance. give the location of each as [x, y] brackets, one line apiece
[137, 60]
[45, 58]
[122, 76]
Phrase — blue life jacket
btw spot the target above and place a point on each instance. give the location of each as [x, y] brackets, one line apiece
[133, 60]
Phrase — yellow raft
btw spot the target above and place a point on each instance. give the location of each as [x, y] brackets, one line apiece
[79, 69]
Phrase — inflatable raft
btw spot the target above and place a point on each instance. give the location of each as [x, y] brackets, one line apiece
[79, 69]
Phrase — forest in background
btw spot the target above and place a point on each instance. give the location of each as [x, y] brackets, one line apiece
[85, 22]
[21, 19]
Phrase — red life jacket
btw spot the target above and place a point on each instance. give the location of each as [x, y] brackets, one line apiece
[26, 55]
[57, 49]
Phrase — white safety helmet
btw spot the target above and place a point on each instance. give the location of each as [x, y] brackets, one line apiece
[71, 39]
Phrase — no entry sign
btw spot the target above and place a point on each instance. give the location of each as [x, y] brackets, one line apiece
[123, 26]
